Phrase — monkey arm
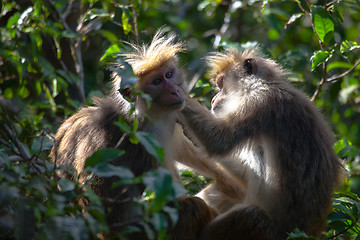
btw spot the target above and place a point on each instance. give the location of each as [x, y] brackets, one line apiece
[218, 136]
[191, 156]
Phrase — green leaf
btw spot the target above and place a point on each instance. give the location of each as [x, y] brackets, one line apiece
[319, 57]
[160, 182]
[334, 65]
[297, 234]
[125, 21]
[293, 18]
[107, 170]
[95, 12]
[342, 147]
[41, 143]
[350, 195]
[151, 145]
[347, 46]
[113, 49]
[123, 125]
[103, 156]
[23, 92]
[322, 22]
[66, 185]
[109, 35]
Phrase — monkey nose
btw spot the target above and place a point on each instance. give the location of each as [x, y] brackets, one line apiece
[175, 93]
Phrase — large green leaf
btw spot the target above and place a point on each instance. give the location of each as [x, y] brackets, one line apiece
[322, 22]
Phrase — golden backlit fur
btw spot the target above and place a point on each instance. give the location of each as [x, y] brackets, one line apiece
[220, 62]
[147, 58]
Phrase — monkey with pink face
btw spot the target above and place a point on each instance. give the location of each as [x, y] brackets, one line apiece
[270, 151]
[92, 128]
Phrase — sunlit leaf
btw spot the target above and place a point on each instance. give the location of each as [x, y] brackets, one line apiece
[348, 46]
[125, 21]
[95, 12]
[113, 49]
[334, 65]
[319, 57]
[293, 18]
[322, 22]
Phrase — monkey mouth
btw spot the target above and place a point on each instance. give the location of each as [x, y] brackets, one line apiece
[176, 103]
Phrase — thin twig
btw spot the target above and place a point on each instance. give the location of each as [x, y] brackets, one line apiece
[320, 84]
[343, 231]
[344, 73]
[135, 24]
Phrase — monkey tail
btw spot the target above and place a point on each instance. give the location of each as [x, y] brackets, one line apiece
[243, 223]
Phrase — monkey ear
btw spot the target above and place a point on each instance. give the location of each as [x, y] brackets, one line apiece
[250, 66]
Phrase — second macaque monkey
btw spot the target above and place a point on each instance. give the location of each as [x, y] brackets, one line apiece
[92, 128]
[270, 149]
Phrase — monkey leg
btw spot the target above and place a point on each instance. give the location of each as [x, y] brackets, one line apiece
[194, 215]
[243, 223]
[221, 196]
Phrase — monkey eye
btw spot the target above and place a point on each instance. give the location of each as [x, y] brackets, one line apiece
[156, 81]
[250, 66]
[169, 74]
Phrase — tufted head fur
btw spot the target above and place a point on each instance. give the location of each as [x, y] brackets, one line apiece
[147, 58]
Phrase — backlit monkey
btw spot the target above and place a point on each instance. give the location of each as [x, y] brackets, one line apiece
[272, 151]
[92, 128]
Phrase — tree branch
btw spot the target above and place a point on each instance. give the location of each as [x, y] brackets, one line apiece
[320, 84]
[344, 73]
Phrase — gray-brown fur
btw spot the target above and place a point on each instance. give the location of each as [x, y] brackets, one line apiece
[271, 142]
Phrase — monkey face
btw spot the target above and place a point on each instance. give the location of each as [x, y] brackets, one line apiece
[232, 81]
[164, 85]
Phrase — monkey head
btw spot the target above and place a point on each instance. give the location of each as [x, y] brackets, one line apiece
[236, 74]
[159, 75]
[165, 85]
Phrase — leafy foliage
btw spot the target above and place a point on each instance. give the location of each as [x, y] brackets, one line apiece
[54, 58]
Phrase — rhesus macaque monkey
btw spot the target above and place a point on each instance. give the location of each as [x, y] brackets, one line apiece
[92, 128]
[271, 150]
